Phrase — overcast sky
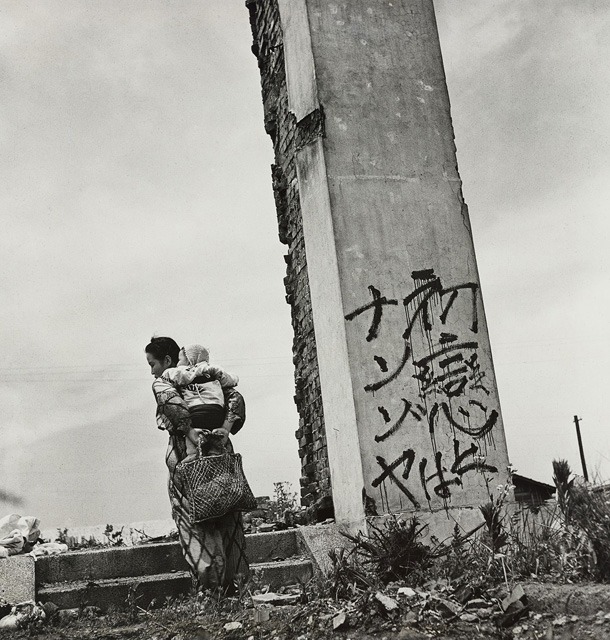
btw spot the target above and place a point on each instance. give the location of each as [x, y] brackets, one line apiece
[136, 199]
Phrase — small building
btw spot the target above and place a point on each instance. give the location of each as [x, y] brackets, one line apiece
[531, 492]
[602, 488]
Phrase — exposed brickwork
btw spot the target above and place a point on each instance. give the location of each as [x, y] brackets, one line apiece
[288, 136]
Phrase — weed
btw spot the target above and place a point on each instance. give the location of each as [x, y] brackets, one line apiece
[564, 485]
[284, 504]
[348, 577]
[493, 515]
[115, 538]
[73, 543]
[457, 561]
[394, 551]
[62, 536]
[590, 512]
[132, 601]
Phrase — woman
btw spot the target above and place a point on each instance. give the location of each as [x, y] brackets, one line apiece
[215, 549]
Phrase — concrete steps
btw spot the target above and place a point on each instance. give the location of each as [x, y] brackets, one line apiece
[116, 592]
[153, 572]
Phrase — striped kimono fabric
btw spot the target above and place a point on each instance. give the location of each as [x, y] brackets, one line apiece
[214, 549]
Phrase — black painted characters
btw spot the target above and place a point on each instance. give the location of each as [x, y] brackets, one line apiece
[439, 350]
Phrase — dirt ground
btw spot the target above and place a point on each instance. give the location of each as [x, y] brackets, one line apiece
[552, 612]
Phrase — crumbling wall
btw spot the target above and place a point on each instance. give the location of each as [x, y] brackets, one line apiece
[288, 136]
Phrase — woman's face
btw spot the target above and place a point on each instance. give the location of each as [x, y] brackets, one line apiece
[157, 367]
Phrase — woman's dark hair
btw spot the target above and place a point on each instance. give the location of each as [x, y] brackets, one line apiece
[161, 347]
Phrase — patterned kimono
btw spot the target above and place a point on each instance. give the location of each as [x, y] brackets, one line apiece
[214, 549]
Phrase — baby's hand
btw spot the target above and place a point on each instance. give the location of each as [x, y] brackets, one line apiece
[221, 433]
[194, 434]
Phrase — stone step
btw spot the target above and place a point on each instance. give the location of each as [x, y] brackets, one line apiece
[114, 562]
[275, 545]
[144, 589]
[283, 572]
[115, 592]
[151, 559]
[152, 572]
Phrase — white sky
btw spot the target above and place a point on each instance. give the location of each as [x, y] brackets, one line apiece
[136, 199]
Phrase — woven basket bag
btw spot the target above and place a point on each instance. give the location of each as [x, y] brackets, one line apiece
[215, 486]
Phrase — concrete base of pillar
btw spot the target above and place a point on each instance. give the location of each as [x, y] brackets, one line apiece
[17, 582]
[440, 524]
[319, 540]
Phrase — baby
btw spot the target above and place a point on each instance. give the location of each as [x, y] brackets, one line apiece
[201, 386]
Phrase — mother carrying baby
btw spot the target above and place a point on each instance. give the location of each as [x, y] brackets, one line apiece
[197, 406]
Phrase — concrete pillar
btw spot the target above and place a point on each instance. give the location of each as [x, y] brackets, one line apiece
[410, 410]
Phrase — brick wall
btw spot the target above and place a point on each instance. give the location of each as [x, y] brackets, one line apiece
[288, 136]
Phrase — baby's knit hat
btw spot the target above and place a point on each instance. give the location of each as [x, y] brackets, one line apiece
[195, 354]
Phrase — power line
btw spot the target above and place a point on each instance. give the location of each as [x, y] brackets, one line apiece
[245, 362]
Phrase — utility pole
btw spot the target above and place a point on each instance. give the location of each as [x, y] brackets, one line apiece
[582, 452]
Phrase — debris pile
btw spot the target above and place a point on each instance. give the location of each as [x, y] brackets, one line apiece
[394, 612]
[18, 534]
[21, 534]
[273, 515]
[21, 616]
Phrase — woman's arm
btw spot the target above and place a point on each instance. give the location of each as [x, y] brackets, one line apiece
[236, 410]
[172, 413]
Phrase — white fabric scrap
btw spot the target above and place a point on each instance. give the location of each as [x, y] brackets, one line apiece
[49, 549]
[15, 532]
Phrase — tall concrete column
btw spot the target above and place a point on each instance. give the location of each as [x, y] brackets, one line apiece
[381, 259]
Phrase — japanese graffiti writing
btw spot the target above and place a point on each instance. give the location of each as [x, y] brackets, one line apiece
[458, 468]
[439, 350]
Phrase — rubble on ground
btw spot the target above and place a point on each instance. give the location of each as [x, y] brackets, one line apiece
[396, 612]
